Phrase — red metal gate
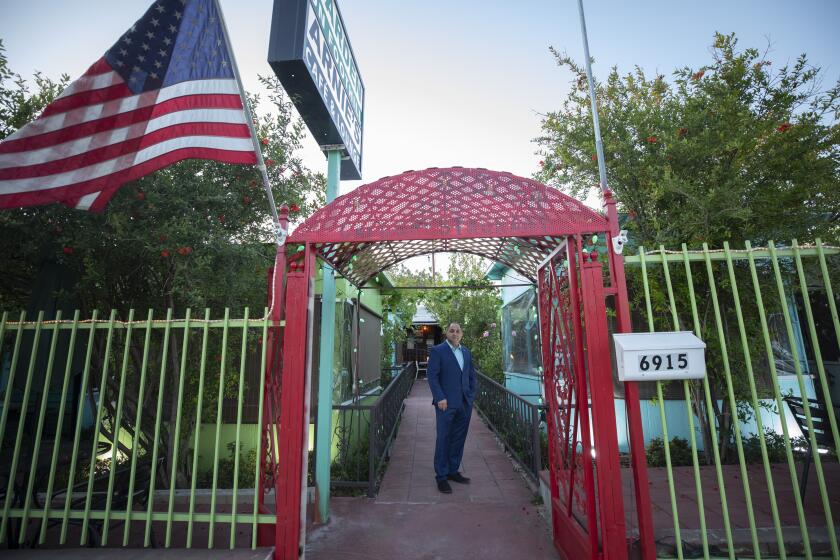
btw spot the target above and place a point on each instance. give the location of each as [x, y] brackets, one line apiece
[515, 221]
[585, 474]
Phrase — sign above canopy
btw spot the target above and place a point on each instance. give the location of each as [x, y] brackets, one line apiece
[311, 55]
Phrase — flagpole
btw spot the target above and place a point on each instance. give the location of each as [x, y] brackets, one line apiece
[279, 232]
[637, 458]
[599, 146]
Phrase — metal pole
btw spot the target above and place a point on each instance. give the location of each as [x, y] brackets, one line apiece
[279, 233]
[357, 315]
[599, 146]
[374, 419]
[638, 460]
[323, 437]
[535, 432]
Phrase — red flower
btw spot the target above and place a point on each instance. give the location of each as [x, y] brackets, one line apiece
[784, 127]
[264, 141]
[594, 157]
[651, 139]
[185, 251]
[542, 163]
[68, 250]
[140, 196]
[221, 218]
[165, 253]
[682, 132]
[294, 208]
[246, 199]
[253, 182]
[269, 162]
[697, 75]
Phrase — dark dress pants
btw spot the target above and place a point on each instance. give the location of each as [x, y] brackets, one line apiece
[451, 426]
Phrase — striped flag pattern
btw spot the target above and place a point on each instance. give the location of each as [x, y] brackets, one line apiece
[165, 91]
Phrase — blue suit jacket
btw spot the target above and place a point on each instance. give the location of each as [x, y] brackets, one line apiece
[447, 380]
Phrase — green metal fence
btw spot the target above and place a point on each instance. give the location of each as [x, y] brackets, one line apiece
[131, 432]
[735, 487]
[363, 433]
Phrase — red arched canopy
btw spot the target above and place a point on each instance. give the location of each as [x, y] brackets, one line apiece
[506, 218]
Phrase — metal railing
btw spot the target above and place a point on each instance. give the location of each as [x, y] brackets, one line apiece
[131, 432]
[363, 434]
[388, 374]
[515, 421]
[745, 304]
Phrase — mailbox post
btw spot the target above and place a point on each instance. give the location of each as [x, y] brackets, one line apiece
[659, 356]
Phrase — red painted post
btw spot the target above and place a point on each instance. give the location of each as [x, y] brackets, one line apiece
[577, 292]
[599, 367]
[638, 459]
[275, 292]
[293, 413]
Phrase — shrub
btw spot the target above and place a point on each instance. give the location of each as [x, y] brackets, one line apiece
[680, 452]
[247, 469]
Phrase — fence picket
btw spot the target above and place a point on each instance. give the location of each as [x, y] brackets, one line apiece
[141, 394]
[783, 299]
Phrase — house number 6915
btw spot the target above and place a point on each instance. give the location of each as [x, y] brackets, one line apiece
[660, 362]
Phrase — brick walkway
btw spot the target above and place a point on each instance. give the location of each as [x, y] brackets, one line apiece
[493, 517]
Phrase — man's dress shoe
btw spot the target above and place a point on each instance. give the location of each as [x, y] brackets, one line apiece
[459, 478]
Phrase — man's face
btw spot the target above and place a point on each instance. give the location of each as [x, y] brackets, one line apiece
[454, 334]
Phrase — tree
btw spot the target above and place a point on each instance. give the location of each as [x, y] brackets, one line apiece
[475, 306]
[193, 235]
[731, 151]
[400, 307]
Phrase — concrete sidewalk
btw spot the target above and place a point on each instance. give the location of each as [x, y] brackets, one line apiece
[493, 517]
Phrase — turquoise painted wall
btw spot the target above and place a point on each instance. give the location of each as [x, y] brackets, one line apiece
[676, 415]
[527, 386]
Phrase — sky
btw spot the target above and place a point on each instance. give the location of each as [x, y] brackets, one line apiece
[455, 82]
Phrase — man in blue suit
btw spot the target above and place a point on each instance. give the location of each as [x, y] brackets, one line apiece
[452, 380]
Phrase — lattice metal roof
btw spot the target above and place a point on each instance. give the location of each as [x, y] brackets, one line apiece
[506, 218]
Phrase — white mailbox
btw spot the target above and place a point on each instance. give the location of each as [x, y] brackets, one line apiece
[659, 355]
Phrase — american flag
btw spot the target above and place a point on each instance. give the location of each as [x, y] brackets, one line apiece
[165, 91]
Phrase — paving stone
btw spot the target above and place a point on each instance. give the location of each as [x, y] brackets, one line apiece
[492, 517]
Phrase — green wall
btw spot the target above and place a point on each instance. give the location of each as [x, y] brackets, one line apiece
[250, 436]
[371, 295]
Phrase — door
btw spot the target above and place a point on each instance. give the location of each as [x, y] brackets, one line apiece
[585, 476]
